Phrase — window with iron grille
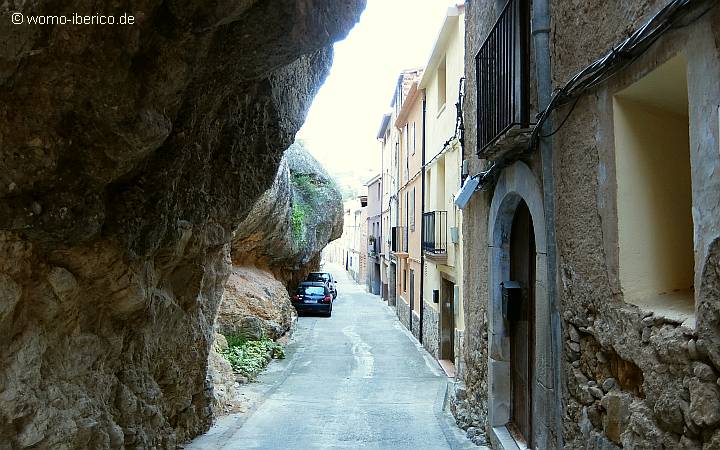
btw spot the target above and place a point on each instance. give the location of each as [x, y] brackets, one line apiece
[502, 68]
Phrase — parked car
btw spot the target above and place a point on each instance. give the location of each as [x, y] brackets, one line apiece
[313, 296]
[325, 277]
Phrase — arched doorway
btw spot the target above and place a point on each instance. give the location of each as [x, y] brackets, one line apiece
[522, 399]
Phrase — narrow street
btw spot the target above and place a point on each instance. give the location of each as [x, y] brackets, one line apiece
[356, 380]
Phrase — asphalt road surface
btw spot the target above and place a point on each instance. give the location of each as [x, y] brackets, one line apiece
[356, 380]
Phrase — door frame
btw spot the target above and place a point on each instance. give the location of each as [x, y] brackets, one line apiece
[517, 182]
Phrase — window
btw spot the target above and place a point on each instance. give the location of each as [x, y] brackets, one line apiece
[407, 206]
[324, 277]
[311, 290]
[405, 277]
[441, 85]
[654, 199]
[412, 210]
[414, 138]
[407, 139]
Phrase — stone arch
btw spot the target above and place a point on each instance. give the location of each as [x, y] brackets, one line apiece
[518, 183]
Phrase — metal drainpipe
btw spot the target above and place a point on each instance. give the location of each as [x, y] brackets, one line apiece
[422, 220]
[541, 40]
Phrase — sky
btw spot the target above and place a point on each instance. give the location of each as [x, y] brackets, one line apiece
[343, 121]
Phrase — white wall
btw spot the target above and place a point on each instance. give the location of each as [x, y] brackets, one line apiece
[654, 202]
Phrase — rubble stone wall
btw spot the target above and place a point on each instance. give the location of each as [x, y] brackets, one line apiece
[431, 330]
[631, 378]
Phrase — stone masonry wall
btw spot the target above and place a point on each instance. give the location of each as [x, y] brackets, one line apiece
[633, 379]
[479, 17]
[630, 378]
[403, 312]
[431, 330]
[415, 325]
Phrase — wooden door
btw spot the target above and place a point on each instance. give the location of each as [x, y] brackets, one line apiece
[522, 324]
[447, 321]
[412, 291]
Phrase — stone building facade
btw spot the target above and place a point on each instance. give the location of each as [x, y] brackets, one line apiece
[592, 272]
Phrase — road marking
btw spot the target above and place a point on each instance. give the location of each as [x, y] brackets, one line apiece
[364, 359]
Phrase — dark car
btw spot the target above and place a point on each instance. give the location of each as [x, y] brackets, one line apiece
[313, 296]
[325, 277]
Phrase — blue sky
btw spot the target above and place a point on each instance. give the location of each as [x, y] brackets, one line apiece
[344, 118]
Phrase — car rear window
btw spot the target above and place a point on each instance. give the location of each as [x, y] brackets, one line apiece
[318, 277]
[311, 290]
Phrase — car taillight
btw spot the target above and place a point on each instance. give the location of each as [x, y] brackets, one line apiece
[327, 299]
[295, 297]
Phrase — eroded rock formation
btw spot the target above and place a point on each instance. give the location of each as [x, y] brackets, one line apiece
[130, 155]
[278, 244]
[293, 221]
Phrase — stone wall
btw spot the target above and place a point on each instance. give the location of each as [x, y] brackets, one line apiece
[402, 310]
[479, 18]
[415, 325]
[130, 156]
[459, 352]
[634, 378]
[631, 378]
[431, 330]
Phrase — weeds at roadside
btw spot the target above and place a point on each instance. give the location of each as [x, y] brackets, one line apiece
[249, 357]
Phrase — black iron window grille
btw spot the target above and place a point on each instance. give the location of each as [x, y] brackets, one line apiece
[502, 68]
[435, 232]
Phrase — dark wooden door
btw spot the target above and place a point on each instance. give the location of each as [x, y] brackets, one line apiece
[412, 291]
[522, 323]
[447, 321]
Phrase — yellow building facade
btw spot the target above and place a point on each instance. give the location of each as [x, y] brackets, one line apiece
[409, 124]
[443, 317]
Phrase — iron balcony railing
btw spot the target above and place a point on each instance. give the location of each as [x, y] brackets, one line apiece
[435, 232]
[399, 240]
[502, 67]
[373, 245]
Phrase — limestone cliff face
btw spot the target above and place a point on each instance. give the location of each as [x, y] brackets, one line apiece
[130, 156]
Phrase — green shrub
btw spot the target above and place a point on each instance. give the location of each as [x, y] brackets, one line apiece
[249, 357]
[298, 222]
[309, 194]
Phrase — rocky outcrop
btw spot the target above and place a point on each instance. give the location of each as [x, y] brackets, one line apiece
[293, 221]
[255, 304]
[131, 154]
[220, 373]
[278, 244]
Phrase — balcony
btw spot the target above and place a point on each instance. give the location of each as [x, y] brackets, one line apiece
[399, 241]
[435, 232]
[373, 246]
[502, 67]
